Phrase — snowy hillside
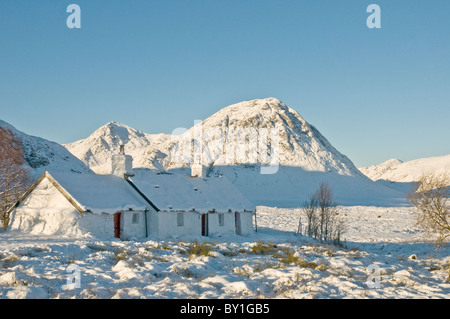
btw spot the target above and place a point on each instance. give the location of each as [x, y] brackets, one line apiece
[375, 172]
[398, 171]
[273, 155]
[403, 175]
[42, 155]
[96, 150]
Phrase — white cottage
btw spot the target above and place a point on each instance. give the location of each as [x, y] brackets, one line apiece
[184, 205]
[129, 204]
[76, 204]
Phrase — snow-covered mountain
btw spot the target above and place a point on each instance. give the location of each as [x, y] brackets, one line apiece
[403, 175]
[257, 132]
[395, 170]
[375, 172]
[42, 155]
[96, 150]
[263, 146]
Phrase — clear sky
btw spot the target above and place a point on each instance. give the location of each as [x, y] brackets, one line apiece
[158, 65]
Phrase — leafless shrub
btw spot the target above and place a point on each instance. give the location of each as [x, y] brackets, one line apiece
[430, 197]
[322, 216]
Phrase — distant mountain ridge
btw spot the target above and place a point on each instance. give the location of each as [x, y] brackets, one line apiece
[396, 171]
[376, 172]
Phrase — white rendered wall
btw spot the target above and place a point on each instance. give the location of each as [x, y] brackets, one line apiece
[167, 224]
[214, 229]
[130, 230]
[99, 225]
[153, 223]
[246, 221]
[46, 211]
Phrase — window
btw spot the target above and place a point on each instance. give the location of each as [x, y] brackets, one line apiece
[221, 219]
[135, 219]
[180, 219]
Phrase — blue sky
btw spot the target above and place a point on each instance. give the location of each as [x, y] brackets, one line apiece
[375, 94]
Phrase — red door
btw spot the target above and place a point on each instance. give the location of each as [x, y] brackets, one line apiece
[117, 225]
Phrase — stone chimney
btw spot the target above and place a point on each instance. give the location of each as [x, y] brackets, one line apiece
[121, 164]
[198, 170]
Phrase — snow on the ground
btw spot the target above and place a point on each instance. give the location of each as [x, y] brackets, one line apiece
[272, 263]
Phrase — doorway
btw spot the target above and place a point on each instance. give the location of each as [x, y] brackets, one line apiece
[117, 224]
[204, 224]
[237, 222]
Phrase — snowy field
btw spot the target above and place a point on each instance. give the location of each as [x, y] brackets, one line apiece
[272, 263]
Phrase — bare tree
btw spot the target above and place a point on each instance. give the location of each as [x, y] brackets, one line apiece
[322, 216]
[14, 177]
[327, 208]
[310, 208]
[430, 197]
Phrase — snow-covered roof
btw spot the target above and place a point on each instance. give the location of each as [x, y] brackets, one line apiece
[100, 193]
[178, 192]
[148, 189]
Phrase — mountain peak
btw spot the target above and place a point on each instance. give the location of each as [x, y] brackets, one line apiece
[116, 131]
[294, 142]
[393, 161]
[258, 105]
[268, 112]
[264, 103]
[97, 149]
[115, 124]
